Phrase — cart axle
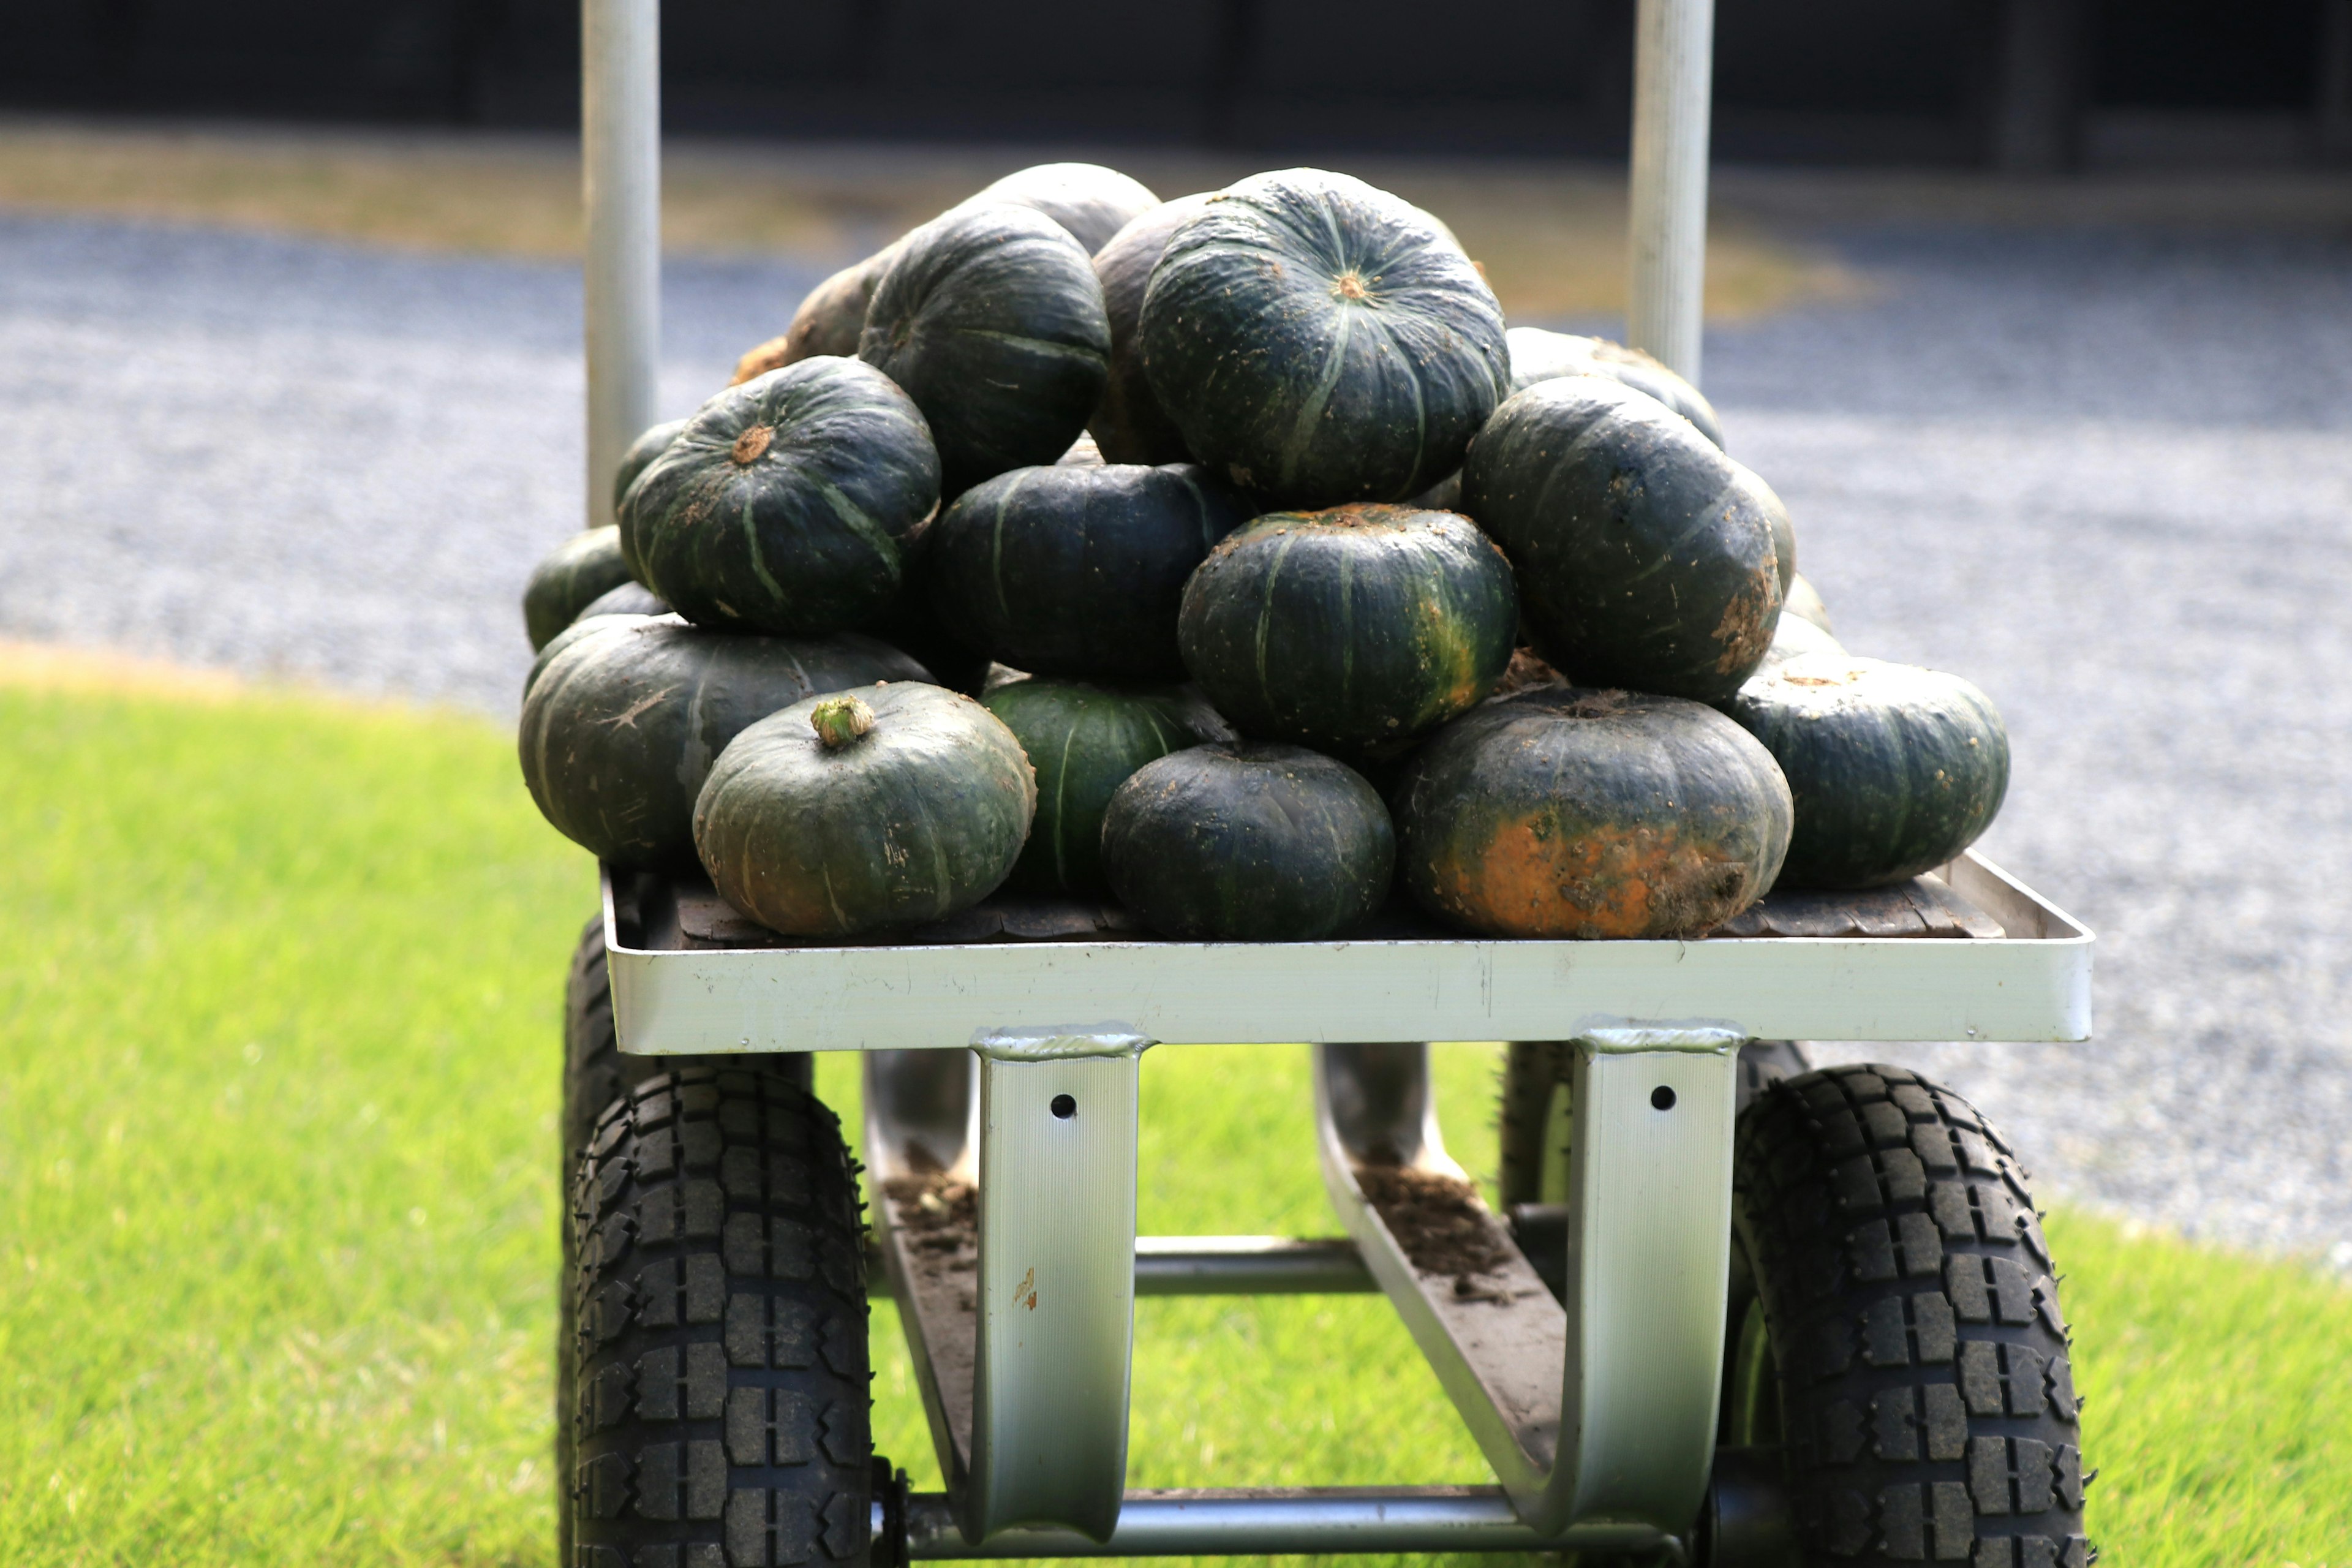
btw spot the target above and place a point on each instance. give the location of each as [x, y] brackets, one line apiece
[1273, 1521]
[1231, 1266]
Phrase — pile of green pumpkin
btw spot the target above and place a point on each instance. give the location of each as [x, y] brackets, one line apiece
[1226, 556]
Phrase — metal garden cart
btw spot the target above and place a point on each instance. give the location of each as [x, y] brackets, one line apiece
[1623, 1344]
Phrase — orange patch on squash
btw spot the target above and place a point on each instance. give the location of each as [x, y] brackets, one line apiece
[1533, 879]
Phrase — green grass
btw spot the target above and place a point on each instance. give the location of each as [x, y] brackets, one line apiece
[278, 987]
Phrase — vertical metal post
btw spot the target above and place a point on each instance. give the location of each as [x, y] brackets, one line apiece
[1673, 70]
[1056, 1309]
[620, 134]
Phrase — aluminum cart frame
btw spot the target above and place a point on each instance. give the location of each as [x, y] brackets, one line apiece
[1015, 1065]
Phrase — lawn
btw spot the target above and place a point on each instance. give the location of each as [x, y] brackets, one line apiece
[279, 989]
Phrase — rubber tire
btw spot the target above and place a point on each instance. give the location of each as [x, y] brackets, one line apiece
[1532, 1068]
[1909, 1313]
[595, 1074]
[721, 1417]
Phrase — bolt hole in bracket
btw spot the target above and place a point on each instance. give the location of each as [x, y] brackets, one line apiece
[1600, 1409]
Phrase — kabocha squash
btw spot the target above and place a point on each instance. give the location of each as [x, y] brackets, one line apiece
[992, 320]
[788, 504]
[888, 805]
[1895, 769]
[585, 626]
[1130, 426]
[1248, 842]
[1084, 741]
[1317, 340]
[620, 728]
[1645, 557]
[1354, 630]
[829, 321]
[1793, 636]
[650, 444]
[1076, 570]
[1566, 812]
[571, 577]
[1091, 202]
[628, 599]
[1805, 603]
[1539, 355]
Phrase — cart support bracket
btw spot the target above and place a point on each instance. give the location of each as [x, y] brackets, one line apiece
[1601, 1411]
[1055, 1304]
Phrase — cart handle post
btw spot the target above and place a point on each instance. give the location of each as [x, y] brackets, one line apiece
[620, 180]
[1673, 70]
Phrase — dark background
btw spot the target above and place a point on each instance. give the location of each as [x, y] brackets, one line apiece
[2021, 84]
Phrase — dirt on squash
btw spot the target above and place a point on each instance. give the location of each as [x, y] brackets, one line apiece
[1438, 1221]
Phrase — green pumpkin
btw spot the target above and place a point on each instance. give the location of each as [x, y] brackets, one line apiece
[1090, 202]
[1076, 570]
[585, 626]
[571, 577]
[1245, 841]
[1895, 769]
[621, 726]
[1793, 636]
[1354, 630]
[1084, 741]
[788, 504]
[1539, 355]
[1570, 813]
[1805, 603]
[651, 444]
[1317, 340]
[888, 806]
[1645, 557]
[1130, 426]
[829, 321]
[992, 320]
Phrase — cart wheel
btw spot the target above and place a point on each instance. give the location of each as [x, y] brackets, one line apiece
[720, 1412]
[595, 1074]
[1894, 1329]
[1535, 1112]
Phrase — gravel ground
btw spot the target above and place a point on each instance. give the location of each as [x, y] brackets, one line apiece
[2106, 475]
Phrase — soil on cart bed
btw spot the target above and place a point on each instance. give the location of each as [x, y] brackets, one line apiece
[1438, 1221]
[938, 1215]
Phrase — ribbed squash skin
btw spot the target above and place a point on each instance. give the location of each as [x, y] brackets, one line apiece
[570, 578]
[621, 727]
[1539, 355]
[1354, 630]
[1644, 556]
[1895, 769]
[1091, 202]
[788, 504]
[630, 599]
[1317, 340]
[992, 320]
[650, 444]
[1565, 812]
[920, 818]
[1130, 426]
[1075, 571]
[1244, 841]
[587, 625]
[1084, 741]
